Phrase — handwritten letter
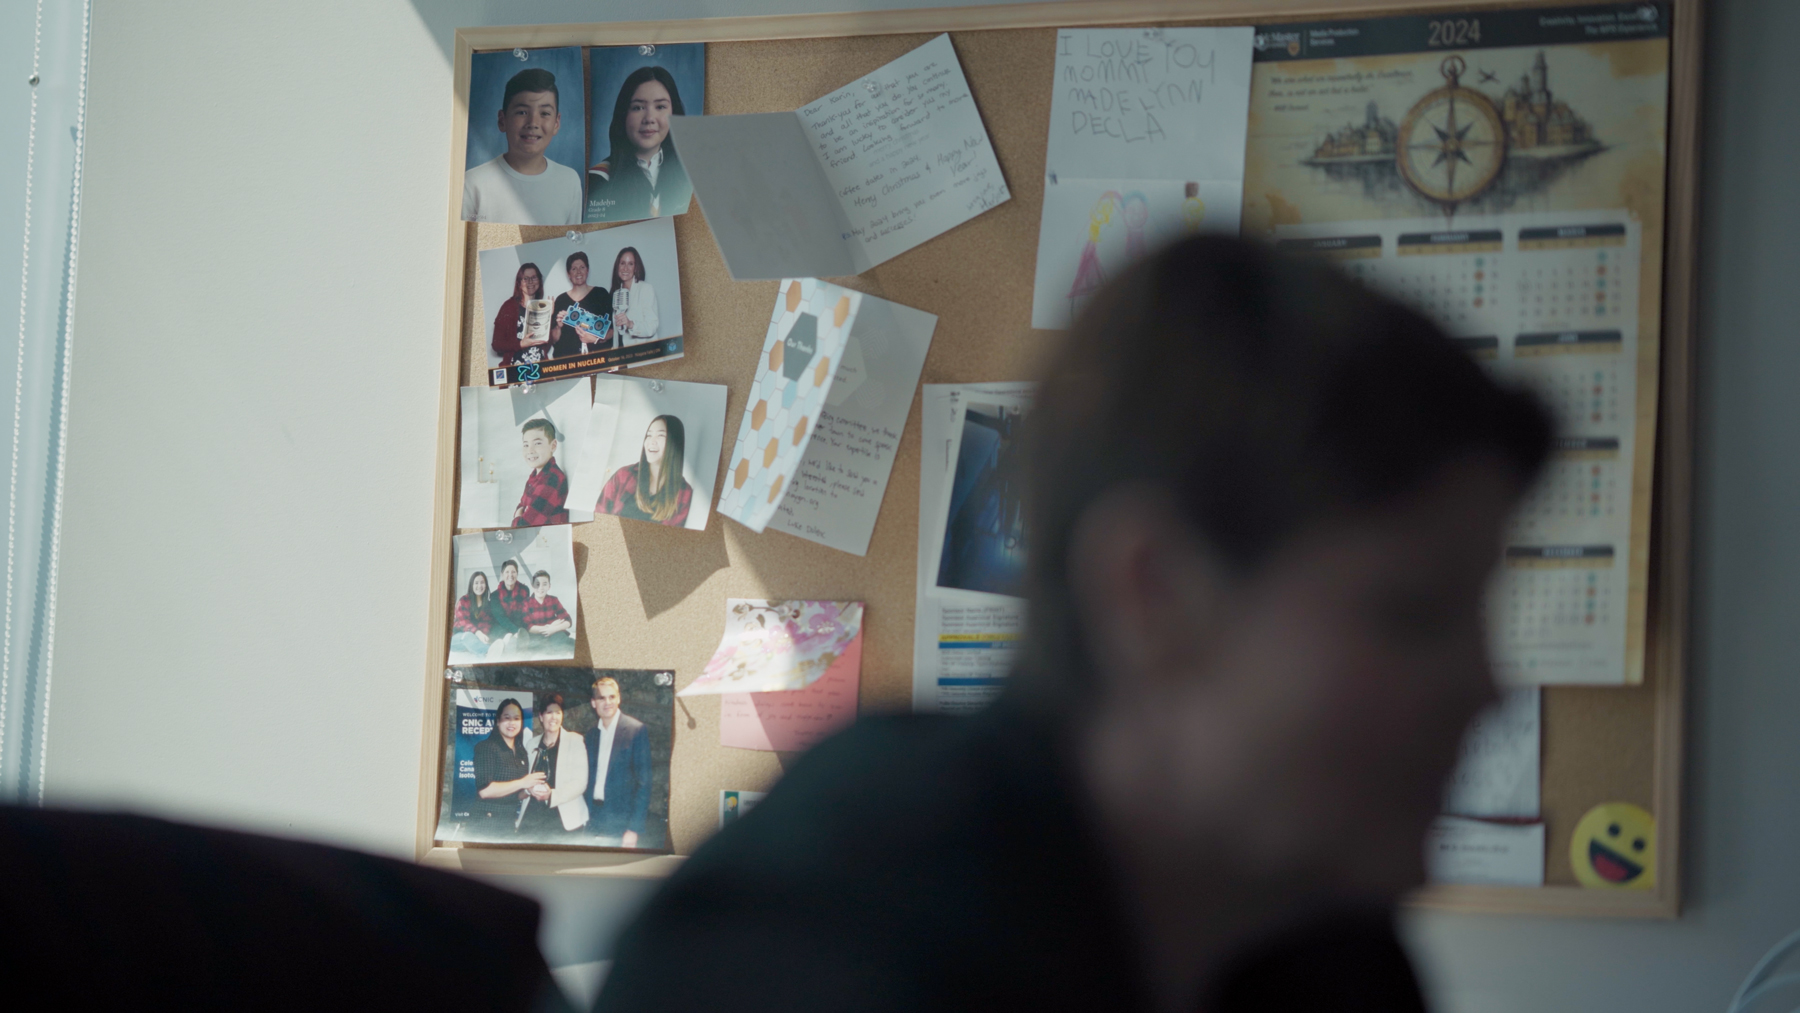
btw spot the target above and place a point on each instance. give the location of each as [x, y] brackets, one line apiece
[836, 494]
[795, 719]
[1498, 773]
[1150, 103]
[905, 151]
[1147, 132]
[858, 177]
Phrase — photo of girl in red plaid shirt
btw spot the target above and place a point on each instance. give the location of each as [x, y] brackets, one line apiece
[477, 615]
[653, 489]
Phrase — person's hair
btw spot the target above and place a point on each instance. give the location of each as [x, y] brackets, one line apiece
[483, 575]
[519, 283]
[619, 146]
[660, 503]
[1266, 394]
[546, 425]
[569, 261]
[512, 563]
[531, 79]
[637, 260]
[605, 679]
[552, 700]
[541, 573]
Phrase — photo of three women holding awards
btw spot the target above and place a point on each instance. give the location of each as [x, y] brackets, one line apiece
[604, 298]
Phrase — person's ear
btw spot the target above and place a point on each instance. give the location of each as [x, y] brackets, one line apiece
[1146, 591]
[500, 119]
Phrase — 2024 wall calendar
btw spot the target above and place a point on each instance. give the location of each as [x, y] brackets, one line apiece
[1503, 170]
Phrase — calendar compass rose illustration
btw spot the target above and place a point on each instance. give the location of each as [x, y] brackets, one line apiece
[1452, 142]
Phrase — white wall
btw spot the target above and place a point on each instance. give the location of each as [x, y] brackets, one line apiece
[243, 594]
[244, 601]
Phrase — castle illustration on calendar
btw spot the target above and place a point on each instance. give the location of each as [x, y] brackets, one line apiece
[1458, 144]
[1372, 128]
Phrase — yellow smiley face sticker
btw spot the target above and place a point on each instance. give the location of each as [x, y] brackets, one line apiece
[1614, 848]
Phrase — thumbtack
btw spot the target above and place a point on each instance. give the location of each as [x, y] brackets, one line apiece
[572, 236]
[656, 386]
[646, 50]
[520, 53]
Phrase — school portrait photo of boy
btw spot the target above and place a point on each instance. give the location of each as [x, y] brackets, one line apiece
[525, 184]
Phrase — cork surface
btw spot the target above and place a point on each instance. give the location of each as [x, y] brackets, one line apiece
[653, 597]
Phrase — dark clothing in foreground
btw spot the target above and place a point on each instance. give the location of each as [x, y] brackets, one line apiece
[933, 863]
[124, 912]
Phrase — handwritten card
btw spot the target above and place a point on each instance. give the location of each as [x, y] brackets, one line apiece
[776, 646]
[1154, 103]
[796, 719]
[883, 164]
[1498, 772]
[1146, 143]
[799, 362]
[835, 496]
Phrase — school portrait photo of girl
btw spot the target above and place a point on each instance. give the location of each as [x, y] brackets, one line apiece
[636, 171]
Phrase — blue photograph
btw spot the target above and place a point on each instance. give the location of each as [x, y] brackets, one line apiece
[527, 142]
[984, 536]
[633, 169]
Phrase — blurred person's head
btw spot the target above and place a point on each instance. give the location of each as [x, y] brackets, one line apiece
[1264, 506]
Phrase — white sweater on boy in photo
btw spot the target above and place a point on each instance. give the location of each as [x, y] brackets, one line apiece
[496, 192]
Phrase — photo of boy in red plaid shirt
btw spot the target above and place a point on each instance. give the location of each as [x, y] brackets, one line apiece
[549, 629]
[548, 485]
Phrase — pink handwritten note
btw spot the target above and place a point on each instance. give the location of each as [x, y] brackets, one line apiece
[794, 719]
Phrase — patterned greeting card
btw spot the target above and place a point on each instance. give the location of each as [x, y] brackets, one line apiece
[801, 354]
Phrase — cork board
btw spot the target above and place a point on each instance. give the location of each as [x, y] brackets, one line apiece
[653, 597]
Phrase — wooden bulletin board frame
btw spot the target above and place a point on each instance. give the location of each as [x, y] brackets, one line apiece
[1665, 640]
